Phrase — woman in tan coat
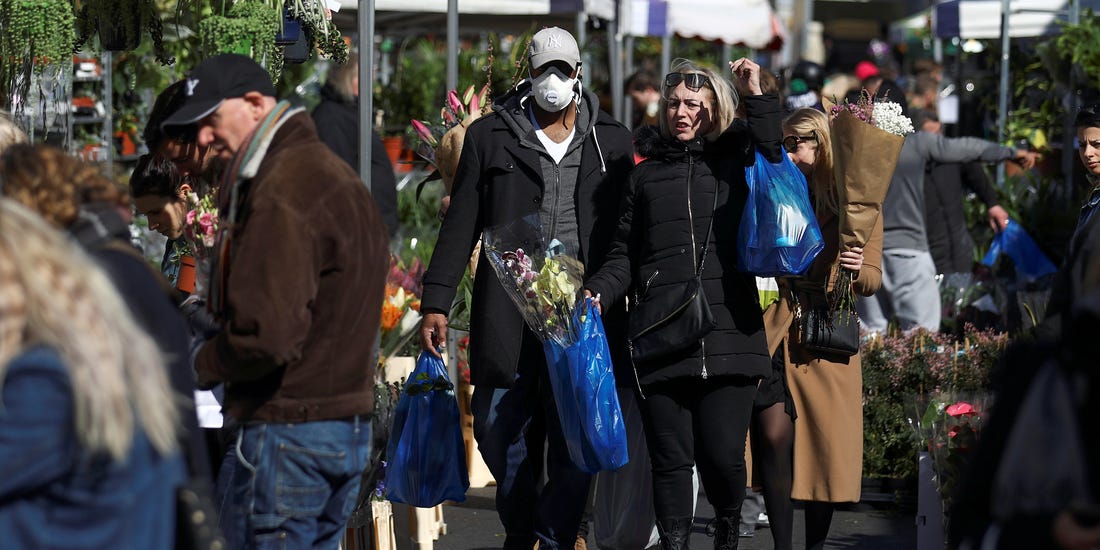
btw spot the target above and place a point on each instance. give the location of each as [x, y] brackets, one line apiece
[824, 406]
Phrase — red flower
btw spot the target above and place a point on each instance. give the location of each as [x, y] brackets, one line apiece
[961, 408]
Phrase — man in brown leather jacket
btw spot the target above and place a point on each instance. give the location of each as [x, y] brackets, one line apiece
[297, 282]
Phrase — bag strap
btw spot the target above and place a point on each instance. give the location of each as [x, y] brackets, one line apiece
[710, 229]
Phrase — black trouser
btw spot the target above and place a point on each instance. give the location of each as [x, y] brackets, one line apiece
[702, 422]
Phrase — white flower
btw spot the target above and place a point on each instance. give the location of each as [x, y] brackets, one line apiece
[887, 117]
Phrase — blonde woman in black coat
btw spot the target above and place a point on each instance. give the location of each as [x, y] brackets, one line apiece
[697, 398]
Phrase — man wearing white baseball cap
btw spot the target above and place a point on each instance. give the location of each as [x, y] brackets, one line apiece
[545, 149]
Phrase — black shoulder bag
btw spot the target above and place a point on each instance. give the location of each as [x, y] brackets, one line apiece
[674, 318]
[823, 329]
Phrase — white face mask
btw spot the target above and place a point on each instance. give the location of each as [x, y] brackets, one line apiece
[553, 92]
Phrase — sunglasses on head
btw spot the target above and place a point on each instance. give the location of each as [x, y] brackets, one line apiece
[790, 143]
[693, 81]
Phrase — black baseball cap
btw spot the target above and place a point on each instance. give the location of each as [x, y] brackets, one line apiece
[216, 79]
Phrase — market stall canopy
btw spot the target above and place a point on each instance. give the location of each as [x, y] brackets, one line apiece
[981, 19]
[604, 9]
[420, 17]
[752, 23]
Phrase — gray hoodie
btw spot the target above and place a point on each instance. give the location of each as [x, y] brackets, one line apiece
[903, 211]
[557, 212]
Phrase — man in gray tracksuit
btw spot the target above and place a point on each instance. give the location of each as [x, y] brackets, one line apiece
[909, 289]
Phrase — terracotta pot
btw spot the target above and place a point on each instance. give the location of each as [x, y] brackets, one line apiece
[186, 280]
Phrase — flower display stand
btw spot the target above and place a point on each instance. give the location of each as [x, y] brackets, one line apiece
[384, 538]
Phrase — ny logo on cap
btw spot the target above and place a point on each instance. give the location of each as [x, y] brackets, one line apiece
[191, 84]
[553, 42]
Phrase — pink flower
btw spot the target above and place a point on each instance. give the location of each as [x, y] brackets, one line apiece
[960, 408]
[191, 217]
[210, 231]
[206, 220]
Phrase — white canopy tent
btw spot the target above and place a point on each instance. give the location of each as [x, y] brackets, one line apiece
[752, 23]
[749, 22]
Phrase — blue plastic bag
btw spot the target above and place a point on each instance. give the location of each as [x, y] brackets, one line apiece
[779, 235]
[584, 391]
[1029, 261]
[427, 457]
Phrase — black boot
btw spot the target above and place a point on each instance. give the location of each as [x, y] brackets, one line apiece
[675, 533]
[726, 530]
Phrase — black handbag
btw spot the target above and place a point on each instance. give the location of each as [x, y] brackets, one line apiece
[827, 330]
[672, 318]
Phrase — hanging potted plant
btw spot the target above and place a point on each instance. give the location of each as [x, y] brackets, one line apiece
[248, 28]
[321, 32]
[120, 25]
[37, 35]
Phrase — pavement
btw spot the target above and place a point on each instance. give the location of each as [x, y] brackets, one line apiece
[473, 525]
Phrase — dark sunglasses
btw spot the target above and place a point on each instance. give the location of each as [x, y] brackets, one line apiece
[790, 143]
[693, 81]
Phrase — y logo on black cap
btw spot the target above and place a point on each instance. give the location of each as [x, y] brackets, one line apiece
[191, 84]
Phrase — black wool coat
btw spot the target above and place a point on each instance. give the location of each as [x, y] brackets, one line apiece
[499, 181]
[667, 208]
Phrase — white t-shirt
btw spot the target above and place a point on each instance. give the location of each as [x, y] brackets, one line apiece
[555, 149]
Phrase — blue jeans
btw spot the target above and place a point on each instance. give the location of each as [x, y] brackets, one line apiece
[512, 427]
[292, 485]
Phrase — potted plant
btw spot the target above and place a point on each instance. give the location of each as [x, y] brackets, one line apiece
[36, 34]
[248, 28]
[120, 24]
[322, 34]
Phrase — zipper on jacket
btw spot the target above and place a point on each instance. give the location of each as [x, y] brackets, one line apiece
[634, 368]
[691, 216]
[703, 350]
[554, 204]
[694, 252]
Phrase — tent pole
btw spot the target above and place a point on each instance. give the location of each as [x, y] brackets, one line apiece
[452, 45]
[1002, 106]
[582, 41]
[666, 52]
[365, 20]
[615, 67]
[1073, 104]
[628, 68]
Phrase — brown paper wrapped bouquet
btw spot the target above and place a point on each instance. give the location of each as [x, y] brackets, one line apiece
[867, 139]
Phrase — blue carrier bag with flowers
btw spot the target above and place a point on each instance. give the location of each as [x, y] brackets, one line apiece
[583, 383]
[427, 457]
[779, 235]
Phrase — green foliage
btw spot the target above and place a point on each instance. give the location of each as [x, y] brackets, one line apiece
[248, 28]
[1080, 43]
[902, 370]
[648, 52]
[1037, 202]
[418, 222]
[125, 20]
[36, 34]
[417, 88]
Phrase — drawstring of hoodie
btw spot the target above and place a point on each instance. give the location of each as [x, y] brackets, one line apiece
[595, 138]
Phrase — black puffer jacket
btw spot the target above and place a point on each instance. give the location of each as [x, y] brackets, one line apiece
[670, 195]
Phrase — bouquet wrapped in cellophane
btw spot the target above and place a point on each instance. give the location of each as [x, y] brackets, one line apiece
[867, 139]
[544, 282]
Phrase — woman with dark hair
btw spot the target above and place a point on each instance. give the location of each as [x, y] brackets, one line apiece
[160, 194]
[698, 397]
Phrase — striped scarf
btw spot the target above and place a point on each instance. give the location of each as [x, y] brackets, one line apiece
[235, 180]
